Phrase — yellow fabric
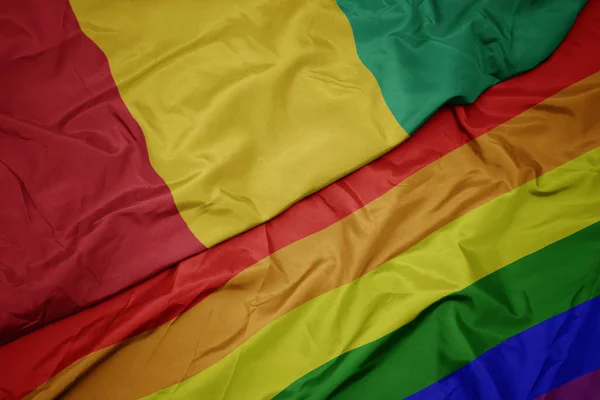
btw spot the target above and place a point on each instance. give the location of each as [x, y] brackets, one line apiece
[503, 230]
[246, 106]
[539, 140]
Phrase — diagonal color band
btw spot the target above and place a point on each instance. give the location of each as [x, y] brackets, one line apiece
[498, 233]
[313, 265]
[525, 366]
[167, 295]
[462, 326]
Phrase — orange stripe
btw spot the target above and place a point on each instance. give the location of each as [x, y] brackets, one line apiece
[167, 295]
[510, 155]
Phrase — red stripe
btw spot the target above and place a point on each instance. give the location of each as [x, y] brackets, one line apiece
[82, 213]
[585, 387]
[170, 293]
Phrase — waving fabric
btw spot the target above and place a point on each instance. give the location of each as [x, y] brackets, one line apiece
[299, 200]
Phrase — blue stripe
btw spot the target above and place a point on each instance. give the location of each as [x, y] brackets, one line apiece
[531, 363]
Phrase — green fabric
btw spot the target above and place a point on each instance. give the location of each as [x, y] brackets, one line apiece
[462, 326]
[425, 53]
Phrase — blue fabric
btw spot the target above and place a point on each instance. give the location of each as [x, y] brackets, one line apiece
[530, 364]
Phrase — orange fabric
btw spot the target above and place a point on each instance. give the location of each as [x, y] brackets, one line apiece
[508, 156]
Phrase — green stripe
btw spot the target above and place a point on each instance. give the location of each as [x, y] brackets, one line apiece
[462, 326]
[425, 53]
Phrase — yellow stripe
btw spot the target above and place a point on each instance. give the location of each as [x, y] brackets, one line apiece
[341, 252]
[500, 232]
[246, 106]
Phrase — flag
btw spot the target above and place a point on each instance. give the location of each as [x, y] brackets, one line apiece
[351, 199]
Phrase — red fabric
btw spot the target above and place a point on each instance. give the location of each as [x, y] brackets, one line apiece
[82, 213]
[585, 387]
[167, 295]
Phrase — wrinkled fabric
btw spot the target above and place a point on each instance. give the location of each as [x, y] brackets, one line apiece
[412, 278]
[537, 360]
[137, 133]
[246, 106]
[459, 328]
[562, 201]
[278, 98]
[170, 293]
[584, 387]
[82, 213]
[452, 50]
[231, 322]
[360, 243]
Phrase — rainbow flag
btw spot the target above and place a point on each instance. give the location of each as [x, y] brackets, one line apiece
[351, 199]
